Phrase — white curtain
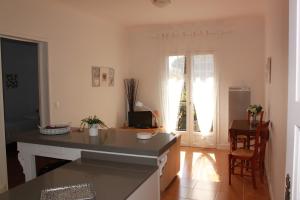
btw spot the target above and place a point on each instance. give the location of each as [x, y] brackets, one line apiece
[171, 71]
[203, 91]
[175, 82]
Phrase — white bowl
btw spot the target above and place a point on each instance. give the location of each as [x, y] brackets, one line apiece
[144, 135]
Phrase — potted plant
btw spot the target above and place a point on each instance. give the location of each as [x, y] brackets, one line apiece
[254, 110]
[93, 124]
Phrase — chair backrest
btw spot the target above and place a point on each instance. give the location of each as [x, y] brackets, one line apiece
[261, 139]
[261, 114]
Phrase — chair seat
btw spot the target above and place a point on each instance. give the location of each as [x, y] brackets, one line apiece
[243, 153]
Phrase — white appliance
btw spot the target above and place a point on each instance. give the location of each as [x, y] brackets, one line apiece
[239, 100]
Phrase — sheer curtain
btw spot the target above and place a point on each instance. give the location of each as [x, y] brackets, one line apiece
[171, 62]
[175, 82]
[203, 91]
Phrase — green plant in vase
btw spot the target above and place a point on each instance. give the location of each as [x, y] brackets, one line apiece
[93, 123]
[254, 110]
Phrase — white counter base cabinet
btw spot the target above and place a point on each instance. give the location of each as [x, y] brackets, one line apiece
[27, 153]
[149, 190]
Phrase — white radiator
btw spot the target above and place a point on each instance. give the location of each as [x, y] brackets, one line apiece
[239, 100]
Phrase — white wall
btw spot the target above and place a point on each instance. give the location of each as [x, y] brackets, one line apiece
[239, 58]
[76, 41]
[276, 93]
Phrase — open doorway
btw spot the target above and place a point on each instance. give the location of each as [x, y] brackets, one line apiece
[20, 87]
[25, 91]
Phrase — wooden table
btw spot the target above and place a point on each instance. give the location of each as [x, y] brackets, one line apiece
[240, 127]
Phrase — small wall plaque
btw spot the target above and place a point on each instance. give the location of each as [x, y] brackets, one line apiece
[95, 76]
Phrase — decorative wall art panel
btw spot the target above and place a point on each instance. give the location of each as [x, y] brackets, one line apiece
[103, 76]
[95, 76]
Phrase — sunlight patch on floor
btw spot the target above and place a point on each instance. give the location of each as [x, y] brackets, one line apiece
[204, 167]
[182, 161]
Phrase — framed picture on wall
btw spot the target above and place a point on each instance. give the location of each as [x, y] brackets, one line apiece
[111, 78]
[107, 77]
[104, 76]
[95, 76]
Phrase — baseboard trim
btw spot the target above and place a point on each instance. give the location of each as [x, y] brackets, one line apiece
[223, 146]
[218, 146]
[269, 185]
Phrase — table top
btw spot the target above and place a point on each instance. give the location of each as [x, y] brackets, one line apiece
[110, 140]
[242, 126]
[110, 180]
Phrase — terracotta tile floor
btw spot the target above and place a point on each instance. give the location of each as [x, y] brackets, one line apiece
[204, 175]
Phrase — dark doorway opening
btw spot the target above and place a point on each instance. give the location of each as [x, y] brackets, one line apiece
[19, 62]
[20, 78]
[20, 86]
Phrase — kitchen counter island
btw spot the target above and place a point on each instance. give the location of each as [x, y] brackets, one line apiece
[109, 142]
[110, 180]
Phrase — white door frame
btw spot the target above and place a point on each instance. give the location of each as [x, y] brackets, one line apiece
[293, 121]
[43, 72]
[3, 165]
[44, 105]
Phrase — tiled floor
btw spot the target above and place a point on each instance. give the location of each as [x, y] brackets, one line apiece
[204, 176]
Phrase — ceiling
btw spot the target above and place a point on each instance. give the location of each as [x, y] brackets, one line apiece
[142, 12]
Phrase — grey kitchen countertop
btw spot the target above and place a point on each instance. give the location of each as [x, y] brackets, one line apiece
[110, 140]
[111, 180]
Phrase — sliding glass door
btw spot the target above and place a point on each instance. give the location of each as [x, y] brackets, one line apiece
[195, 97]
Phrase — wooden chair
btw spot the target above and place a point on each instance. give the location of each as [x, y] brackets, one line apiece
[249, 138]
[254, 157]
[246, 140]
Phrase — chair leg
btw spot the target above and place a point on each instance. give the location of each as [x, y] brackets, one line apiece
[229, 168]
[248, 142]
[232, 165]
[242, 168]
[253, 174]
[262, 172]
[247, 165]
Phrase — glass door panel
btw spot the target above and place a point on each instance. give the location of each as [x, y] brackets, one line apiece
[204, 100]
[175, 88]
[193, 99]
[182, 115]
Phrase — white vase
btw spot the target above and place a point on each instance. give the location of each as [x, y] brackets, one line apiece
[93, 130]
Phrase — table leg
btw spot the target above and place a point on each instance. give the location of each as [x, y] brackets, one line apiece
[28, 163]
